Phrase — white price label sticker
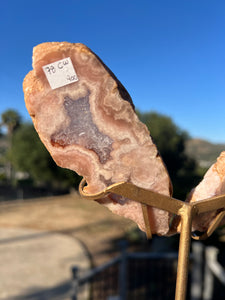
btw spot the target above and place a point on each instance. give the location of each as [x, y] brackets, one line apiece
[60, 73]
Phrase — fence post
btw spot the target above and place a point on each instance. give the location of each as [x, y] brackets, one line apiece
[196, 272]
[208, 284]
[216, 268]
[75, 284]
[213, 268]
[123, 271]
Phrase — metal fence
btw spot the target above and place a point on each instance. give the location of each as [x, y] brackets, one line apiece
[146, 276]
[208, 276]
[130, 276]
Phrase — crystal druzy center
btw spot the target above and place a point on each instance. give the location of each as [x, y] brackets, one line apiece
[82, 130]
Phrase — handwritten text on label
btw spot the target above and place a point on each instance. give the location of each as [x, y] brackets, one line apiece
[60, 73]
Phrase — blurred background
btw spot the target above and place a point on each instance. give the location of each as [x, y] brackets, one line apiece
[169, 55]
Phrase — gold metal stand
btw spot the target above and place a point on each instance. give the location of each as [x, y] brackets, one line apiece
[185, 210]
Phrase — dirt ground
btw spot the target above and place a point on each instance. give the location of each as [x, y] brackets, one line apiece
[91, 223]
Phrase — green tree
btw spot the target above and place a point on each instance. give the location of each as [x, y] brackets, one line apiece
[170, 141]
[29, 155]
[11, 119]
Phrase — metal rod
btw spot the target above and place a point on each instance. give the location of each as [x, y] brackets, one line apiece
[186, 214]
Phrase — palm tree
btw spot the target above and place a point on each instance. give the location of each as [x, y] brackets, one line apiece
[10, 120]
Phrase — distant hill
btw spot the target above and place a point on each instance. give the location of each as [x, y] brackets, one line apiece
[203, 151]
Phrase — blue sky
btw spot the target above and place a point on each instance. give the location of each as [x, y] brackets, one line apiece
[169, 54]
